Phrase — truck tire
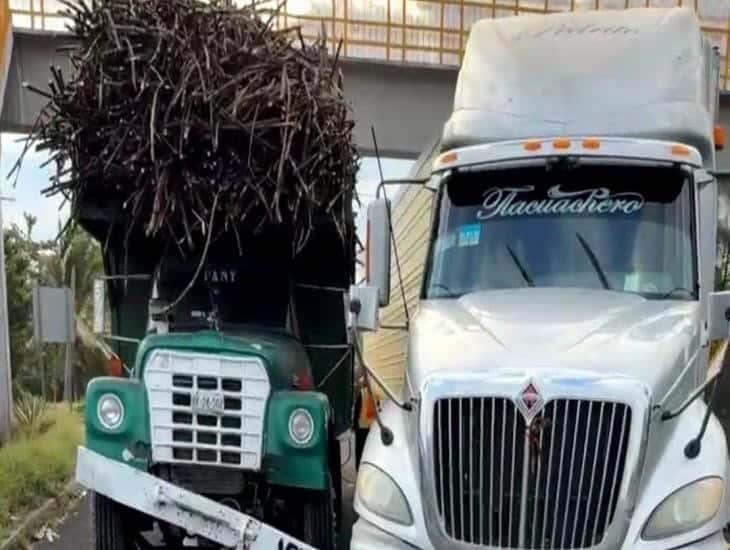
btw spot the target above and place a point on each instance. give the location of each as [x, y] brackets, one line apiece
[320, 519]
[109, 525]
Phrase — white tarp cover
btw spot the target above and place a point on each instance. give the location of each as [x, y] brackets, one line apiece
[638, 72]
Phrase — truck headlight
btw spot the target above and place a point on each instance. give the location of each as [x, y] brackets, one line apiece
[686, 509]
[301, 426]
[381, 495]
[110, 411]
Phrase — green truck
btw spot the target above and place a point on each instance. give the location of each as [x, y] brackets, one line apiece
[239, 378]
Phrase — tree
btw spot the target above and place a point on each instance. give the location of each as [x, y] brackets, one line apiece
[40, 368]
[20, 267]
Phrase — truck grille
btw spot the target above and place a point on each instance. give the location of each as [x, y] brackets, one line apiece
[552, 484]
[230, 437]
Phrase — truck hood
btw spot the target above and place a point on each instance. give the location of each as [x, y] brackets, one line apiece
[544, 329]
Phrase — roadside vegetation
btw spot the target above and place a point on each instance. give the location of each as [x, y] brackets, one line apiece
[39, 461]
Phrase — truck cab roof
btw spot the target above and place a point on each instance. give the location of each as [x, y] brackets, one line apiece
[642, 73]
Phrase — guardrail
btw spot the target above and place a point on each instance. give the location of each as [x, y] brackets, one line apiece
[416, 31]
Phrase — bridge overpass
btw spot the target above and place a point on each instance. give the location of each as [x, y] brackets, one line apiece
[406, 102]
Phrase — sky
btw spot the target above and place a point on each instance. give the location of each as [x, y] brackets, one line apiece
[51, 211]
[26, 194]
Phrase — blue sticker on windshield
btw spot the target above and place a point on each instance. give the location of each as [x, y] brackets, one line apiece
[469, 234]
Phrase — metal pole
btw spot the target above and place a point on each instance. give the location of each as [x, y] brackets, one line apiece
[68, 394]
[6, 386]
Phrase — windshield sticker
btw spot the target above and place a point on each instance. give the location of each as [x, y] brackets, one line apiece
[504, 202]
[469, 234]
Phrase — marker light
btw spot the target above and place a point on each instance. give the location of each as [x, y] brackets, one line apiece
[719, 135]
[446, 158]
[680, 150]
[532, 145]
[591, 143]
[561, 143]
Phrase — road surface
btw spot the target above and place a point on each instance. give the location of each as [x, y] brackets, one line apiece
[75, 532]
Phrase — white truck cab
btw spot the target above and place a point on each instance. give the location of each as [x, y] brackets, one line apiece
[557, 361]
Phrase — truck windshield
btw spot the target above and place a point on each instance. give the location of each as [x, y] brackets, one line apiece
[622, 228]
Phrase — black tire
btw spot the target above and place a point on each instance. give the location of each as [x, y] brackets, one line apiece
[320, 519]
[111, 531]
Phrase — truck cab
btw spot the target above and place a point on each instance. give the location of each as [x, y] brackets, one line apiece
[557, 360]
[239, 380]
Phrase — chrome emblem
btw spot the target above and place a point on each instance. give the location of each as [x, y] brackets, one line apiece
[529, 400]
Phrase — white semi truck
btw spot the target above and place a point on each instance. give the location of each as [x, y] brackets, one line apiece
[556, 381]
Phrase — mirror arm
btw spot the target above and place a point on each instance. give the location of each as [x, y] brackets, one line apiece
[693, 448]
[371, 373]
[668, 415]
[404, 181]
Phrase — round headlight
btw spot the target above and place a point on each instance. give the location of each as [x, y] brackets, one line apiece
[110, 411]
[686, 509]
[301, 426]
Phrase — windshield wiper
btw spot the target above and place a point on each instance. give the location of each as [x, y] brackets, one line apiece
[448, 293]
[523, 271]
[594, 262]
[675, 291]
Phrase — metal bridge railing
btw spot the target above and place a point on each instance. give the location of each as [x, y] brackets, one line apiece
[416, 31]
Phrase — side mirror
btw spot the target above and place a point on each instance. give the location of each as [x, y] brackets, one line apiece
[377, 259]
[719, 315]
[363, 308]
[99, 305]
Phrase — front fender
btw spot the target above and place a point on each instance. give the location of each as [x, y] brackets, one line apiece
[672, 470]
[130, 442]
[287, 463]
[400, 461]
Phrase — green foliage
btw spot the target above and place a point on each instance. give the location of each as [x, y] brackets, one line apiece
[39, 369]
[34, 469]
[30, 412]
[74, 252]
[20, 271]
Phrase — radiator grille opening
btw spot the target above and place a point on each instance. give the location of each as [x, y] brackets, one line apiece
[552, 484]
[184, 431]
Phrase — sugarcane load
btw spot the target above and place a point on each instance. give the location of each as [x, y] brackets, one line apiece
[175, 106]
[211, 155]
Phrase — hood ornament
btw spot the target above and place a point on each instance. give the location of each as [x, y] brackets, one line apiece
[529, 400]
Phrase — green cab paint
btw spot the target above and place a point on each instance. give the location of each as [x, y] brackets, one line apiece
[285, 462]
[130, 442]
[283, 354]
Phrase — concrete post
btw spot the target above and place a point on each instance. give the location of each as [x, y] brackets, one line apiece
[6, 387]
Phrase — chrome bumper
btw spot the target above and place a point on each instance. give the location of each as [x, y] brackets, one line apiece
[167, 502]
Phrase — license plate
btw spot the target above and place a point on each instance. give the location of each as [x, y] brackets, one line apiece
[207, 402]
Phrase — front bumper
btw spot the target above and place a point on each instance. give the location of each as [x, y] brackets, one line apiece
[167, 502]
[366, 536]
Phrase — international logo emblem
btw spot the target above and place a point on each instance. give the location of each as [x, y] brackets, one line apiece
[529, 400]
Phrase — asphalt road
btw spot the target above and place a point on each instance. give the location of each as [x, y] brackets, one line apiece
[75, 532]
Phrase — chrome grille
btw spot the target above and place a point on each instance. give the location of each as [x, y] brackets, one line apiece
[230, 438]
[552, 484]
